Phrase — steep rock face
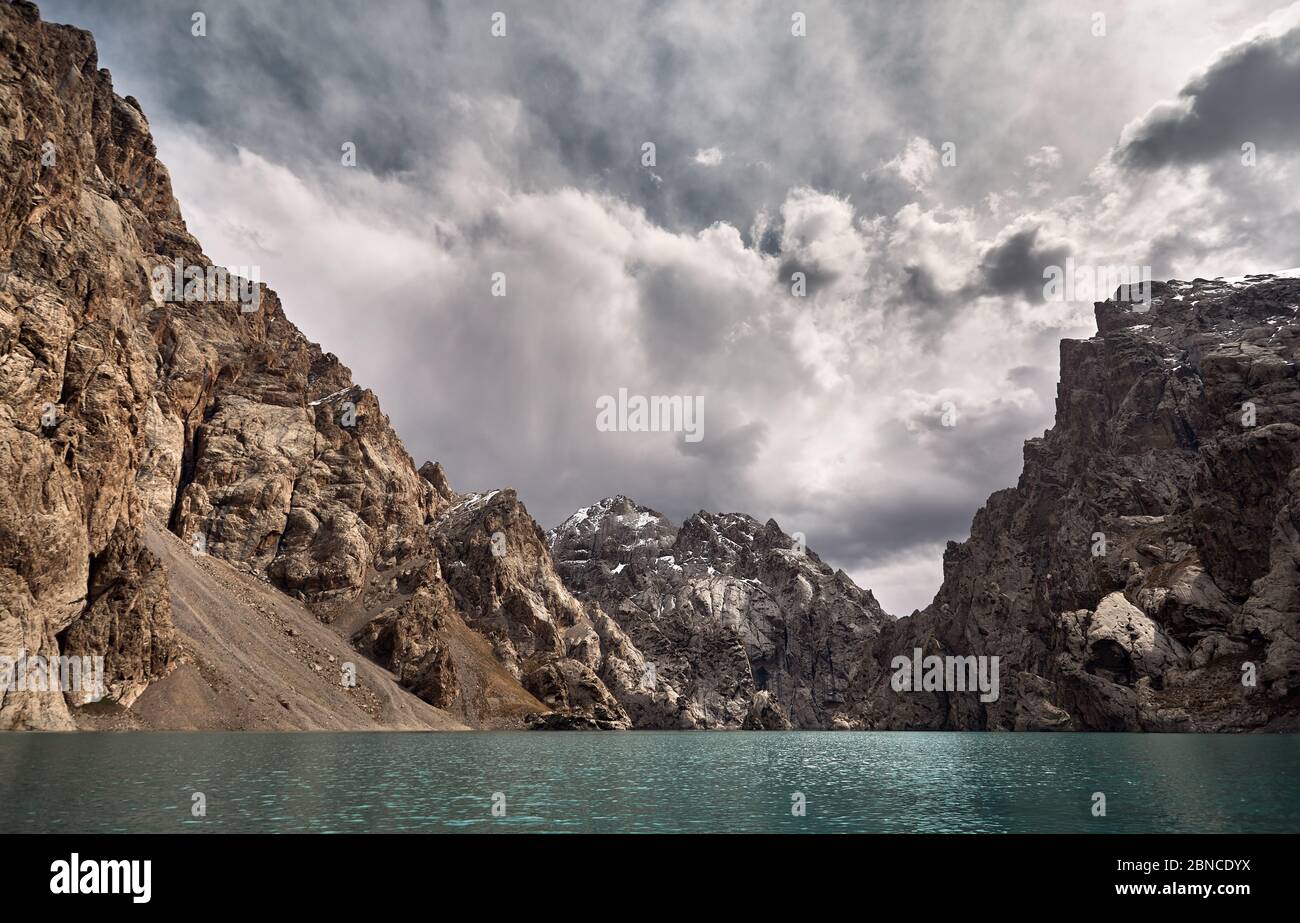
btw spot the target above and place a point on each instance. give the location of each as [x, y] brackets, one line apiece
[239, 433]
[730, 621]
[496, 562]
[1147, 562]
[409, 640]
[82, 201]
[285, 464]
[128, 394]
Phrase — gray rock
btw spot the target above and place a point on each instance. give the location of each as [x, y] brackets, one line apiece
[715, 615]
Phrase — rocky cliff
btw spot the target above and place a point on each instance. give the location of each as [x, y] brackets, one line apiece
[82, 204]
[1145, 572]
[526, 647]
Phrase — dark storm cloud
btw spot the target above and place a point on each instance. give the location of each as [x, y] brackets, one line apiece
[732, 449]
[862, 531]
[288, 80]
[984, 441]
[291, 81]
[1033, 377]
[1014, 265]
[816, 276]
[1251, 94]
[1257, 227]
[681, 325]
[1174, 244]
[920, 285]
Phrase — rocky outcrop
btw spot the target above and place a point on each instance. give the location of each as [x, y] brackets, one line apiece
[572, 688]
[408, 640]
[499, 569]
[82, 203]
[766, 714]
[436, 476]
[1145, 572]
[723, 623]
[495, 561]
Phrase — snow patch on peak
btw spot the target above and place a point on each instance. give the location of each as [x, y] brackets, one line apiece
[468, 502]
[330, 397]
[644, 516]
[1258, 278]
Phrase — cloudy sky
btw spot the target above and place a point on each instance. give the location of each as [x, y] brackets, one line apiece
[1115, 142]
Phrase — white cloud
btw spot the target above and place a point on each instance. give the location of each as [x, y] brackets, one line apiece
[708, 156]
[1044, 159]
[943, 242]
[915, 164]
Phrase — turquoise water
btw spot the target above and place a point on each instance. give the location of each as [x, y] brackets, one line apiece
[648, 782]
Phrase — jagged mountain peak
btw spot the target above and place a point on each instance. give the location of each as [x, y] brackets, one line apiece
[599, 515]
[772, 631]
[433, 473]
[615, 530]
[728, 538]
[621, 537]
